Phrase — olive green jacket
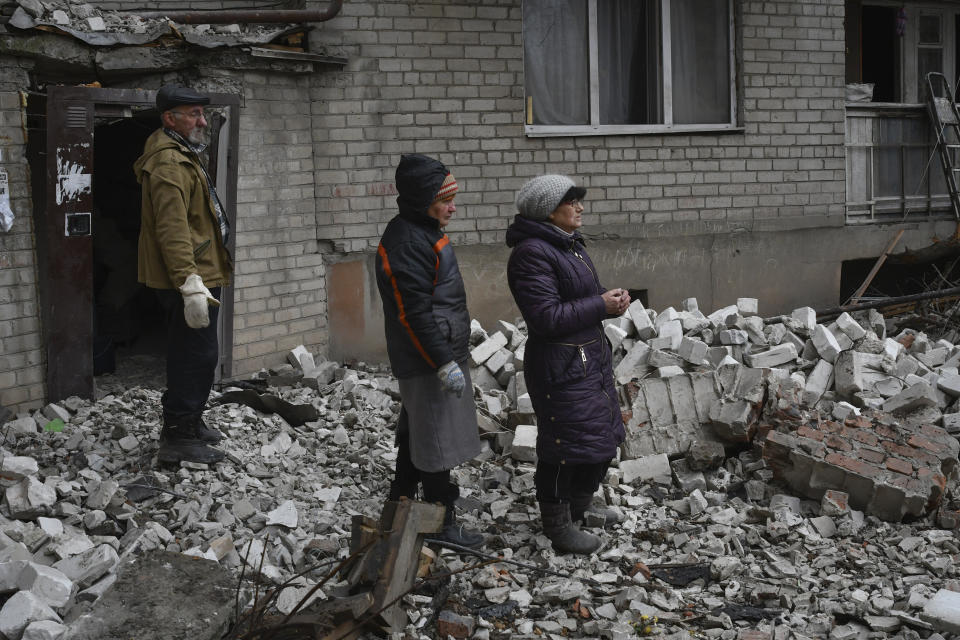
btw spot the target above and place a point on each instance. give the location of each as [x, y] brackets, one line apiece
[179, 232]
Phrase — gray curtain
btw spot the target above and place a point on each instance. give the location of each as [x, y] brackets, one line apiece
[556, 60]
[628, 34]
[700, 44]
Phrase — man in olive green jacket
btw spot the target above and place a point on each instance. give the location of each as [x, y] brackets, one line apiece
[183, 257]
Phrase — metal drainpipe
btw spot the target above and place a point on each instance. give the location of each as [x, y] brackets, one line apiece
[246, 16]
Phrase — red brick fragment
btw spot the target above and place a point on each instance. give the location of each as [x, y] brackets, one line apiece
[861, 436]
[900, 466]
[807, 432]
[929, 445]
[859, 422]
[850, 464]
[838, 443]
[870, 455]
[889, 433]
[829, 426]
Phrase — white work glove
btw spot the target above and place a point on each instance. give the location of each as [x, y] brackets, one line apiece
[196, 300]
[451, 378]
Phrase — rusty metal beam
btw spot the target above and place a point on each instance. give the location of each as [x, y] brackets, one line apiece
[246, 16]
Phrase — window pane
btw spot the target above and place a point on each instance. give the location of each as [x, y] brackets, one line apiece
[927, 60]
[556, 60]
[628, 39]
[700, 45]
[929, 29]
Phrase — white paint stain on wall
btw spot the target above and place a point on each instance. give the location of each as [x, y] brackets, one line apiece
[72, 182]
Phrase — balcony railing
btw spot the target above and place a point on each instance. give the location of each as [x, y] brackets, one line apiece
[892, 172]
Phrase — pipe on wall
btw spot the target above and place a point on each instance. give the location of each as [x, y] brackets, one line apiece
[247, 16]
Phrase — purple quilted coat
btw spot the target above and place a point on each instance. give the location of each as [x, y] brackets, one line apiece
[567, 360]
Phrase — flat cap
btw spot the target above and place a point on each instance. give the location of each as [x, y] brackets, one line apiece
[174, 95]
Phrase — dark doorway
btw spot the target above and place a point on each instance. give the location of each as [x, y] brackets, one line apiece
[128, 326]
[86, 219]
[880, 52]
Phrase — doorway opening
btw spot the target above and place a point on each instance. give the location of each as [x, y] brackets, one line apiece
[129, 341]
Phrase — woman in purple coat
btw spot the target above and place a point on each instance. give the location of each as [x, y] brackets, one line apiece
[567, 361]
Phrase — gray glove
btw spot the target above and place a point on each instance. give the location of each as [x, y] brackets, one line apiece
[451, 378]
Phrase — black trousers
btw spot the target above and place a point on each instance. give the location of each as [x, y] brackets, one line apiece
[192, 356]
[561, 482]
[436, 484]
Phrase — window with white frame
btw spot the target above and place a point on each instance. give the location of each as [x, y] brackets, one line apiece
[628, 66]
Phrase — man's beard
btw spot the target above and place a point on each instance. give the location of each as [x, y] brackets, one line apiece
[196, 136]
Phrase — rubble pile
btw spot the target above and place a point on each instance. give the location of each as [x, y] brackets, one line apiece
[754, 519]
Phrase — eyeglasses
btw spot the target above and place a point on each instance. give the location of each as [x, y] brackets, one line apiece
[576, 202]
[195, 114]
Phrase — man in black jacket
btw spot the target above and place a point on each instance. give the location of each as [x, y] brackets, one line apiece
[428, 330]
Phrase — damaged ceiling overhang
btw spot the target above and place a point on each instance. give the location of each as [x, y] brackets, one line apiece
[113, 43]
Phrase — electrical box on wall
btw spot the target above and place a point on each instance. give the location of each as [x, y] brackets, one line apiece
[78, 224]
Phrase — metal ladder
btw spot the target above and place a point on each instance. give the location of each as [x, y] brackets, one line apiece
[946, 124]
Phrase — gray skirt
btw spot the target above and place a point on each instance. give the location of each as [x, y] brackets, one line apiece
[443, 427]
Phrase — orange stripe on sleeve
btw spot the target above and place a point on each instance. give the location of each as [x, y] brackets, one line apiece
[437, 248]
[399, 299]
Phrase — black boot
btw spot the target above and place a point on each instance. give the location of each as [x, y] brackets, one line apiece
[581, 505]
[206, 433]
[566, 536]
[179, 443]
[455, 533]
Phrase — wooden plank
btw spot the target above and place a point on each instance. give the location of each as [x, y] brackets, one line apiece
[876, 267]
[405, 524]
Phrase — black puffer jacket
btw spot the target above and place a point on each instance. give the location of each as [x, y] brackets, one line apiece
[424, 304]
[567, 364]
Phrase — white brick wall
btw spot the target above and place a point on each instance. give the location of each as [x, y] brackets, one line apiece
[21, 355]
[444, 77]
[280, 293]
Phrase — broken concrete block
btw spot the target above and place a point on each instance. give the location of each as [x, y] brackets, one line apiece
[301, 358]
[747, 306]
[101, 496]
[497, 361]
[672, 330]
[614, 334]
[773, 357]
[645, 468]
[634, 364]
[826, 344]
[705, 454]
[49, 584]
[20, 610]
[524, 445]
[856, 371]
[669, 371]
[824, 525]
[735, 421]
[524, 403]
[723, 318]
[949, 384]
[806, 317]
[819, 380]
[943, 611]
[733, 336]
[487, 348]
[44, 630]
[915, 397]
[951, 423]
[933, 358]
[30, 498]
[641, 321]
[15, 468]
[56, 412]
[89, 566]
[689, 304]
[692, 350]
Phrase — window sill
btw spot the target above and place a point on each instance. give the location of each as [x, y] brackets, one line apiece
[544, 131]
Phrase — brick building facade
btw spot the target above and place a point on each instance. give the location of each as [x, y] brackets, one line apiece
[755, 207]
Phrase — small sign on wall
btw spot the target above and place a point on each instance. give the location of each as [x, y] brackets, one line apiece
[6, 213]
[78, 224]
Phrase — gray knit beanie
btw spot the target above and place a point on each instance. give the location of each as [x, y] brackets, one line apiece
[540, 196]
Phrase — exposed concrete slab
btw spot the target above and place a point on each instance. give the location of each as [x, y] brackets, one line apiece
[162, 596]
